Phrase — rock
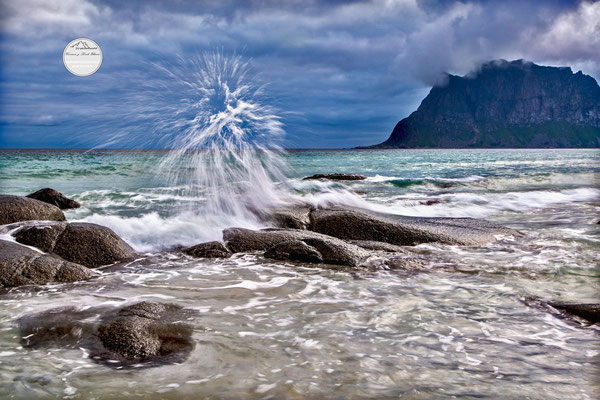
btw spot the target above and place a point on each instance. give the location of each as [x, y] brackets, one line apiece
[64, 326]
[588, 312]
[143, 334]
[295, 250]
[20, 265]
[208, 250]
[359, 224]
[55, 198]
[19, 208]
[294, 217]
[429, 202]
[505, 104]
[332, 250]
[407, 264]
[337, 177]
[83, 243]
[379, 246]
[146, 332]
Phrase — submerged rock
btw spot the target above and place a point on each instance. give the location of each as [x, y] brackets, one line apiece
[332, 250]
[208, 250]
[358, 224]
[19, 208]
[588, 312]
[20, 265]
[64, 326]
[149, 334]
[337, 177]
[55, 198]
[83, 243]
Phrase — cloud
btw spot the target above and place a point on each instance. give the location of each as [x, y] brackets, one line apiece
[341, 71]
[35, 17]
[572, 38]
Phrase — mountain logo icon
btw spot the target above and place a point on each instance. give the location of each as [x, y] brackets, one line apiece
[82, 57]
[82, 45]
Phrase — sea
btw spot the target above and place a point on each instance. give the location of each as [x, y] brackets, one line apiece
[461, 328]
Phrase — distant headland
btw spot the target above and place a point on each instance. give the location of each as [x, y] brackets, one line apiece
[516, 104]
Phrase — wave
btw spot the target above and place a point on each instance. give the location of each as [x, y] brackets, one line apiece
[152, 232]
[403, 182]
[481, 205]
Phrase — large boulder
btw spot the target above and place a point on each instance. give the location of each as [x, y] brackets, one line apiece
[337, 177]
[359, 224]
[19, 208]
[143, 334]
[83, 243]
[332, 250]
[208, 250]
[54, 197]
[20, 265]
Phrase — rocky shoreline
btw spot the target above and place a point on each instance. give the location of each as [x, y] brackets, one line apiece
[41, 247]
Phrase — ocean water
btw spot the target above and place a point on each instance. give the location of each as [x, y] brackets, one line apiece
[282, 330]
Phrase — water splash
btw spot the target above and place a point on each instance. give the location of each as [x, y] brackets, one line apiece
[224, 143]
[223, 152]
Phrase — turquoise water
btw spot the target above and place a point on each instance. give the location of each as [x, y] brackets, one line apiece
[282, 330]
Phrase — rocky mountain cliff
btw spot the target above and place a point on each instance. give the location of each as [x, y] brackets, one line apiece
[505, 104]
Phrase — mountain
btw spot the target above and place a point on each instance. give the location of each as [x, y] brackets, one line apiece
[505, 104]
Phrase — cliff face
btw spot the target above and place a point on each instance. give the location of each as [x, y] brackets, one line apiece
[505, 104]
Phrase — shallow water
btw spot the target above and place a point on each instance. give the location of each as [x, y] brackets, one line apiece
[274, 330]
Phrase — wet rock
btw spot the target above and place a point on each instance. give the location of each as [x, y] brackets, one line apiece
[358, 224]
[20, 265]
[146, 332]
[208, 250]
[295, 250]
[337, 177]
[143, 334]
[64, 326]
[588, 312]
[83, 243]
[293, 217]
[332, 250]
[55, 198]
[19, 208]
[408, 264]
[429, 202]
[379, 246]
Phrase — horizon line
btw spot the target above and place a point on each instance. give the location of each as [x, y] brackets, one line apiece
[82, 149]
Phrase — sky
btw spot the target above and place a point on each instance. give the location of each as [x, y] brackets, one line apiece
[338, 74]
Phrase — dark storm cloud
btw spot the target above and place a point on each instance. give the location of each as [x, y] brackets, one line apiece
[341, 73]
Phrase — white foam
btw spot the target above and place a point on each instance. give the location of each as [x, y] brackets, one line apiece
[151, 231]
[479, 205]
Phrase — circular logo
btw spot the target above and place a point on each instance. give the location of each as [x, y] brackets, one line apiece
[82, 57]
